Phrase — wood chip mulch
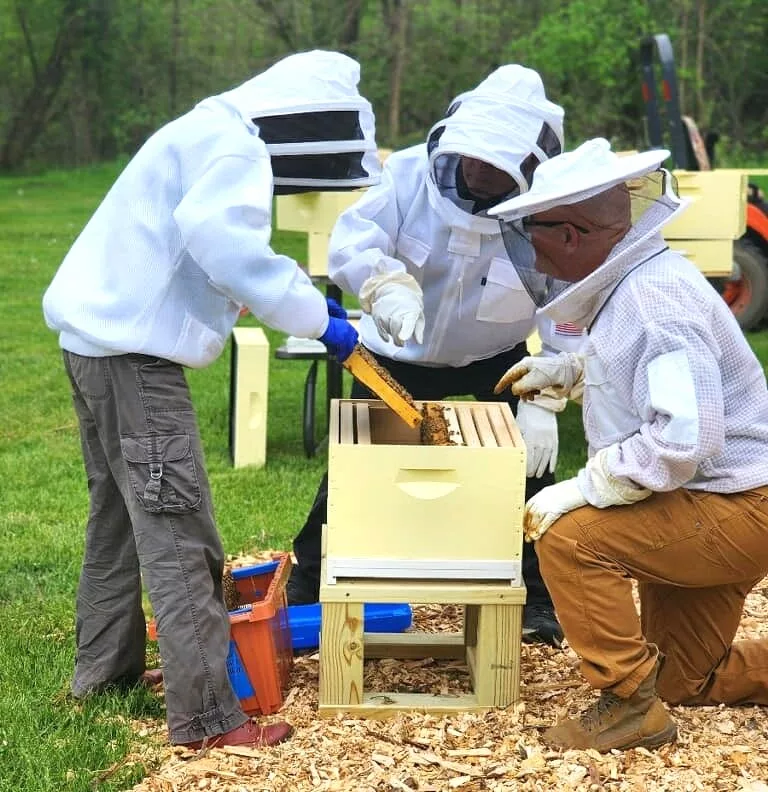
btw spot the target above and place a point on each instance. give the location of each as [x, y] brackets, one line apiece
[719, 748]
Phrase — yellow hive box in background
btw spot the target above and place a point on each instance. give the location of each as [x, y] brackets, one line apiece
[705, 231]
[399, 509]
[313, 211]
[315, 214]
[249, 396]
[718, 207]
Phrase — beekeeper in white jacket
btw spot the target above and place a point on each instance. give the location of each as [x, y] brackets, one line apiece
[445, 311]
[674, 493]
[153, 283]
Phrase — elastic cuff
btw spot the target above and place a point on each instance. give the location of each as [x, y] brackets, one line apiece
[208, 724]
[550, 400]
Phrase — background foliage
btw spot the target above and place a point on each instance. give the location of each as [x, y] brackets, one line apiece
[89, 80]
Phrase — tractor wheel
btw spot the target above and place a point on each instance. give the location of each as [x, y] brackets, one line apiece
[746, 291]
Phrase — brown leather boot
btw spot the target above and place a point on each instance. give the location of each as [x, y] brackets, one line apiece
[612, 722]
[248, 734]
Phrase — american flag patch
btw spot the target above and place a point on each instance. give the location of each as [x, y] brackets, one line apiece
[568, 329]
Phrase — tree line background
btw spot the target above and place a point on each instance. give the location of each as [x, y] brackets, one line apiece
[89, 80]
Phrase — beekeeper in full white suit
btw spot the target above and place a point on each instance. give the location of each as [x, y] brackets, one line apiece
[155, 281]
[445, 311]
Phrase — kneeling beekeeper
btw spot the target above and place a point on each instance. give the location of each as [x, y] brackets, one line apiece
[674, 493]
[155, 282]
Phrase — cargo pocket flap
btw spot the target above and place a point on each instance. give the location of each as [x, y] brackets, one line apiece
[168, 448]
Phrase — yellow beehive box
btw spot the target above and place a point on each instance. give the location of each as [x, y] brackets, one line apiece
[249, 391]
[718, 207]
[400, 509]
[705, 231]
[314, 213]
[713, 257]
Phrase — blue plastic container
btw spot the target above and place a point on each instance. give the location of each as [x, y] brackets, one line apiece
[304, 621]
[238, 676]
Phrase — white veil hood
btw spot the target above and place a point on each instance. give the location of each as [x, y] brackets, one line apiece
[506, 121]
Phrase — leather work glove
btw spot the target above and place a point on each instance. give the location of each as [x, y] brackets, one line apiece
[559, 374]
[549, 504]
[396, 303]
[339, 337]
[538, 425]
[334, 309]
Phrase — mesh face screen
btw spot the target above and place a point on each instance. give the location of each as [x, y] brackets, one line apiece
[332, 167]
[548, 142]
[310, 127]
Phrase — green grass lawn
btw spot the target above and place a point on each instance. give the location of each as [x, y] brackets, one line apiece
[46, 741]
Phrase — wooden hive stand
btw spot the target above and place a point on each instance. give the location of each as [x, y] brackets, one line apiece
[489, 644]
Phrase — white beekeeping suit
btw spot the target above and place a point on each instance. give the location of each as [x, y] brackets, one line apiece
[182, 240]
[416, 223]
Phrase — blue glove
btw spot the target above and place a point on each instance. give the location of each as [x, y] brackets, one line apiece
[334, 309]
[340, 338]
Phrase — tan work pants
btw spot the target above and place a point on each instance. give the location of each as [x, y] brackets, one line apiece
[696, 556]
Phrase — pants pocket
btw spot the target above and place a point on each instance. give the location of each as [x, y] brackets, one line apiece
[162, 471]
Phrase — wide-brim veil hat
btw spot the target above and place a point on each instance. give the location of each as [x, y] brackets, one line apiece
[577, 175]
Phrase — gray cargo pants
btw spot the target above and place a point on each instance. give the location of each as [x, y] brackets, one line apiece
[150, 517]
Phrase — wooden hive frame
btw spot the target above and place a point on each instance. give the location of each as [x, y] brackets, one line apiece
[474, 424]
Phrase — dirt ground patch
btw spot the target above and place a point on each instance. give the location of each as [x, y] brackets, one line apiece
[719, 748]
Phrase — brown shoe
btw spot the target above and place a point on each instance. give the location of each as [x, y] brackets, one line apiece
[248, 734]
[151, 678]
[612, 722]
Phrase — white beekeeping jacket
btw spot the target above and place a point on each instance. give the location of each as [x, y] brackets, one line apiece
[416, 221]
[671, 384]
[182, 240]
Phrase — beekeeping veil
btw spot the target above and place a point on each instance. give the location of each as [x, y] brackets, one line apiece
[318, 129]
[573, 178]
[506, 121]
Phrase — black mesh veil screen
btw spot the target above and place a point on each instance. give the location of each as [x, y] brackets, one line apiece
[310, 127]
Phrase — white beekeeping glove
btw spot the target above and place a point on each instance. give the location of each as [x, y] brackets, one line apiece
[396, 303]
[548, 505]
[560, 374]
[538, 425]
